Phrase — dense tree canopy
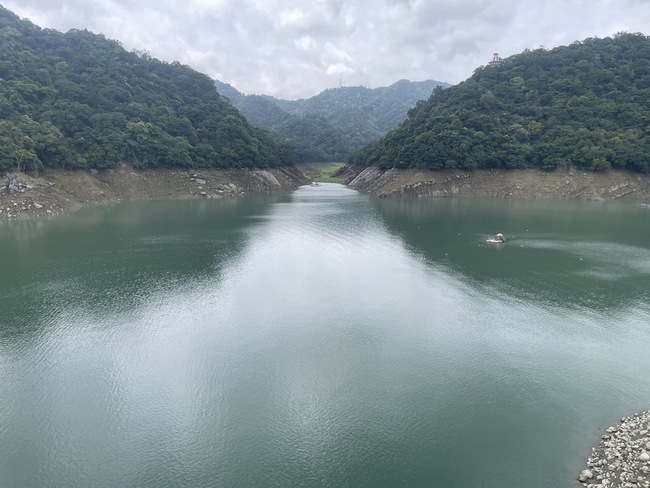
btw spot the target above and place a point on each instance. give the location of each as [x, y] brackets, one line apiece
[586, 105]
[76, 100]
[336, 122]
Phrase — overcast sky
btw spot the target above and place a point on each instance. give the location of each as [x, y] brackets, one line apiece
[293, 49]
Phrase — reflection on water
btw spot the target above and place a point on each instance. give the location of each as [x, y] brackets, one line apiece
[319, 338]
[115, 257]
[568, 253]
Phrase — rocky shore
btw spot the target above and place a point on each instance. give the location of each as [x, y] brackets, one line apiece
[528, 183]
[57, 191]
[622, 459]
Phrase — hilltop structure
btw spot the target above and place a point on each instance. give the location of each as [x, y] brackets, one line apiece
[496, 60]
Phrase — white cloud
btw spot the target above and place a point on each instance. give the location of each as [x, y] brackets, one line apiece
[292, 17]
[294, 49]
[338, 69]
[306, 42]
[334, 52]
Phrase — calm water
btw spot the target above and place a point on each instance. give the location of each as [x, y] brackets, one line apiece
[320, 339]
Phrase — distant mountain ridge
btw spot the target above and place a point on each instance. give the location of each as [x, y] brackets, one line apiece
[336, 122]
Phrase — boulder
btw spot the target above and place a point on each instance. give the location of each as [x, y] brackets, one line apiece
[16, 183]
[585, 475]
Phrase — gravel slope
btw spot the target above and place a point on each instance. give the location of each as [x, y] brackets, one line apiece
[57, 191]
[610, 185]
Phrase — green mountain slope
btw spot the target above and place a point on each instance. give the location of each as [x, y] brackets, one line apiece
[80, 100]
[586, 105]
[336, 122]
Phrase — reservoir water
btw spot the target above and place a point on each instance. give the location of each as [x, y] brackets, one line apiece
[320, 338]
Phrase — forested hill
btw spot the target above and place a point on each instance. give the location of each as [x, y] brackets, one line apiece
[585, 105]
[336, 122]
[78, 100]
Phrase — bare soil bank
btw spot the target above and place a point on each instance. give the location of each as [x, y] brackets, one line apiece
[530, 183]
[58, 191]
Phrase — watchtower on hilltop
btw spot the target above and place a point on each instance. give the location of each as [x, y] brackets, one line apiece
[496, 60]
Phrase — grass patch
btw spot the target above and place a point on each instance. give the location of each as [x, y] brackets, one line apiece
[322, 172]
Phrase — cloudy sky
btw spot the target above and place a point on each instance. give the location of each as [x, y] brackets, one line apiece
[293, 49]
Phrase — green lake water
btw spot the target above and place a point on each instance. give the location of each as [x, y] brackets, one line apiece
[320, 338]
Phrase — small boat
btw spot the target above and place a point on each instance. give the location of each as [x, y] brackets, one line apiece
[498, 239]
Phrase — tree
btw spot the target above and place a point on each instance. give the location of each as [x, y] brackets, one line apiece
[16, 148]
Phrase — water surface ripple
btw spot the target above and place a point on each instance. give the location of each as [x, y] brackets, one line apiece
[320, 338]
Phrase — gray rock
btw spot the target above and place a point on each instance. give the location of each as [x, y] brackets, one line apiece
[16, 183]
[585, 475]
[623, 457]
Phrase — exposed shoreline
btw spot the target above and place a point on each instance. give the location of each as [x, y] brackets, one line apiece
[622, 458]
[516, 184]
[56, 191]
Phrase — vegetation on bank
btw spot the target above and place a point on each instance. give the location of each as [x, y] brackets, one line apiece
[585, 105]
[327, 172]
[333, 124]
[78, 100]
